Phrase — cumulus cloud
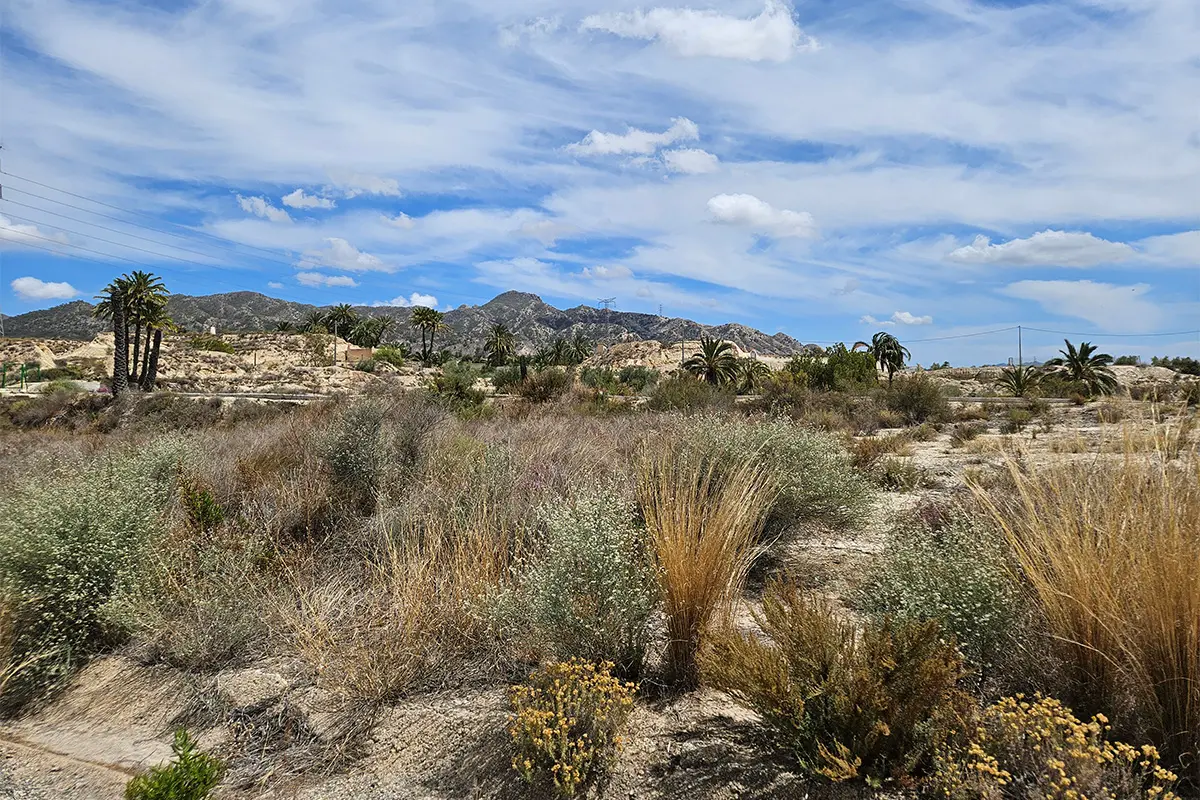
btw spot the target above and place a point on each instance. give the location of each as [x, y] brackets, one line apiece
[353, 184]
[691, 161]
[402, 221]
[603, 273]
[318, 279]
[35, 289]
[773, 35]
[274, 285]
[635, 141]
[413, 300]
[748, 210]
[340, 254]
[298, 199]
[898, 318]
[1048, 248]
[261, 207]
[1108, 306]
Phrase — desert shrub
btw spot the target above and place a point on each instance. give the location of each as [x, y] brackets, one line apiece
[455, 387]
[506, 377]
[68, 542]
[588, 590]
[876, 703]
[215, 344]
[838, 369]
[704, 518]
[389, 354]
[965, 432]
[811, 472]
[1184, 364]
[191, 776]
[1015, 420]
[1110, 412]
[638, 379]
[67, 372]
[783, 393]
[61, 386]
[683, 392]
[867, 451]
[354, 452]
[1189, 394]
[1038, 748]
[917, 398]
[952, 569]
[898, 474]
[600, 378]
[566, 723]
[45, 410]
[545, 385]
[366, 365]
[1111, 551]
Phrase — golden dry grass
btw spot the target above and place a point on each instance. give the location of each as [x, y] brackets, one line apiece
[704, 521]
[1111, 551]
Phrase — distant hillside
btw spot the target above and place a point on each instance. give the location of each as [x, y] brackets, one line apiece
[534, 322]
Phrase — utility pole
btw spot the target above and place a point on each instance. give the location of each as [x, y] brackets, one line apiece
[607, 302]
[1020, 349]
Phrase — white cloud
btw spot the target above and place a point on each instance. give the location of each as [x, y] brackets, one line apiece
[691, 161]
[298, 199]
[402, 221]
[773, 35]
[635, 140]
[547, 231]
[1048, 248]
[512, 35]
[35, 289]
[1106, 305]
[340, 254]
[353, 184]
[317, 279]
[261, 207]
[1177, 248]
[17, 232]
[274, 285]
[898, 318]
[748, 210]
[603, 273]
[413, 300]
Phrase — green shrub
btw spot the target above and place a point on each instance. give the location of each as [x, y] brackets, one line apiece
[898, 474]
[918, 399]
[215, 344]
[68, 543]
[967, 431]
[62, 386]
[389, 354]
[600, 378]
[876, 703]
[838, 369]
[455, 386]
[683, 392]
[811, 470]
[366, 365]
[545, 385]
[506, 377]
[639, 379]
[68, 372]
[566, 724]
[1015, 420]
[951, 569]
[192, 776]
[590, 588]
[354, 453]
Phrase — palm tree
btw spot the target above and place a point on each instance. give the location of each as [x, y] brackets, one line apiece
[341, 318]
[430, 322]
[1086, 367]
[369, 331]
[284, 326]
[887, 351]
[313, 322]
[581, 347]
[116, 309]
[750, 374]
[715, 363]
[499, 345]
[145, 296]
[1019, 381]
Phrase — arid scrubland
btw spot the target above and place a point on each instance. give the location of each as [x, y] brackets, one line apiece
[411, 594]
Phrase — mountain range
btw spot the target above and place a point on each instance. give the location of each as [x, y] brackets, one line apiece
[534, 322]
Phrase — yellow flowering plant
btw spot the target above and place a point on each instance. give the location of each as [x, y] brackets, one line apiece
[1035, 747]
[566, 723]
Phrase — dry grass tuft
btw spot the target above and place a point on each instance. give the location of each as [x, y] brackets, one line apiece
[704, 520]
[1111, 551]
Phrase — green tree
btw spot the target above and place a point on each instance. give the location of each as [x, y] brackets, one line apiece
[369, 331]
[341, 319]
[1086, 367]
[1020, 381]
[889, 354]
[313, 322]
[142, 300]
[157, 323]
[499, 345]
[581, 347]
[750, 374]
[715, 363]
[429, 321]
[284, 326]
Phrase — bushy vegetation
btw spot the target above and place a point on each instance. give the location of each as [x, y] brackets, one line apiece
[917, 398]
[876, 704]
[838, 369]
[566, 724]
[683, 392]
[191, 776]
[214, 344]
[544, 385]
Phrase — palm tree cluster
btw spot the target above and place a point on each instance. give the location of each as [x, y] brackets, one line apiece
[499, 345]
[360, 331]
[718, 365]
[136, 301]
[565, 352]
[429, 321]
[1082, 366]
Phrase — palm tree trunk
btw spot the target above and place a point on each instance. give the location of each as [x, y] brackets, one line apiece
[432, 332]
[150, 372]
[133, 360]
[120, 378]
[145, 356]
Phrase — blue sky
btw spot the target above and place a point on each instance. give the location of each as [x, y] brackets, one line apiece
[828, 169]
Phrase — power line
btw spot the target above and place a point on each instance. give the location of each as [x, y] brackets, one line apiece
[1114, 335]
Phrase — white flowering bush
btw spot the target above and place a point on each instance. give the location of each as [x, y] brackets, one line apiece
[952, 569]
[811, 469]
[589, 591]
[68, 543]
